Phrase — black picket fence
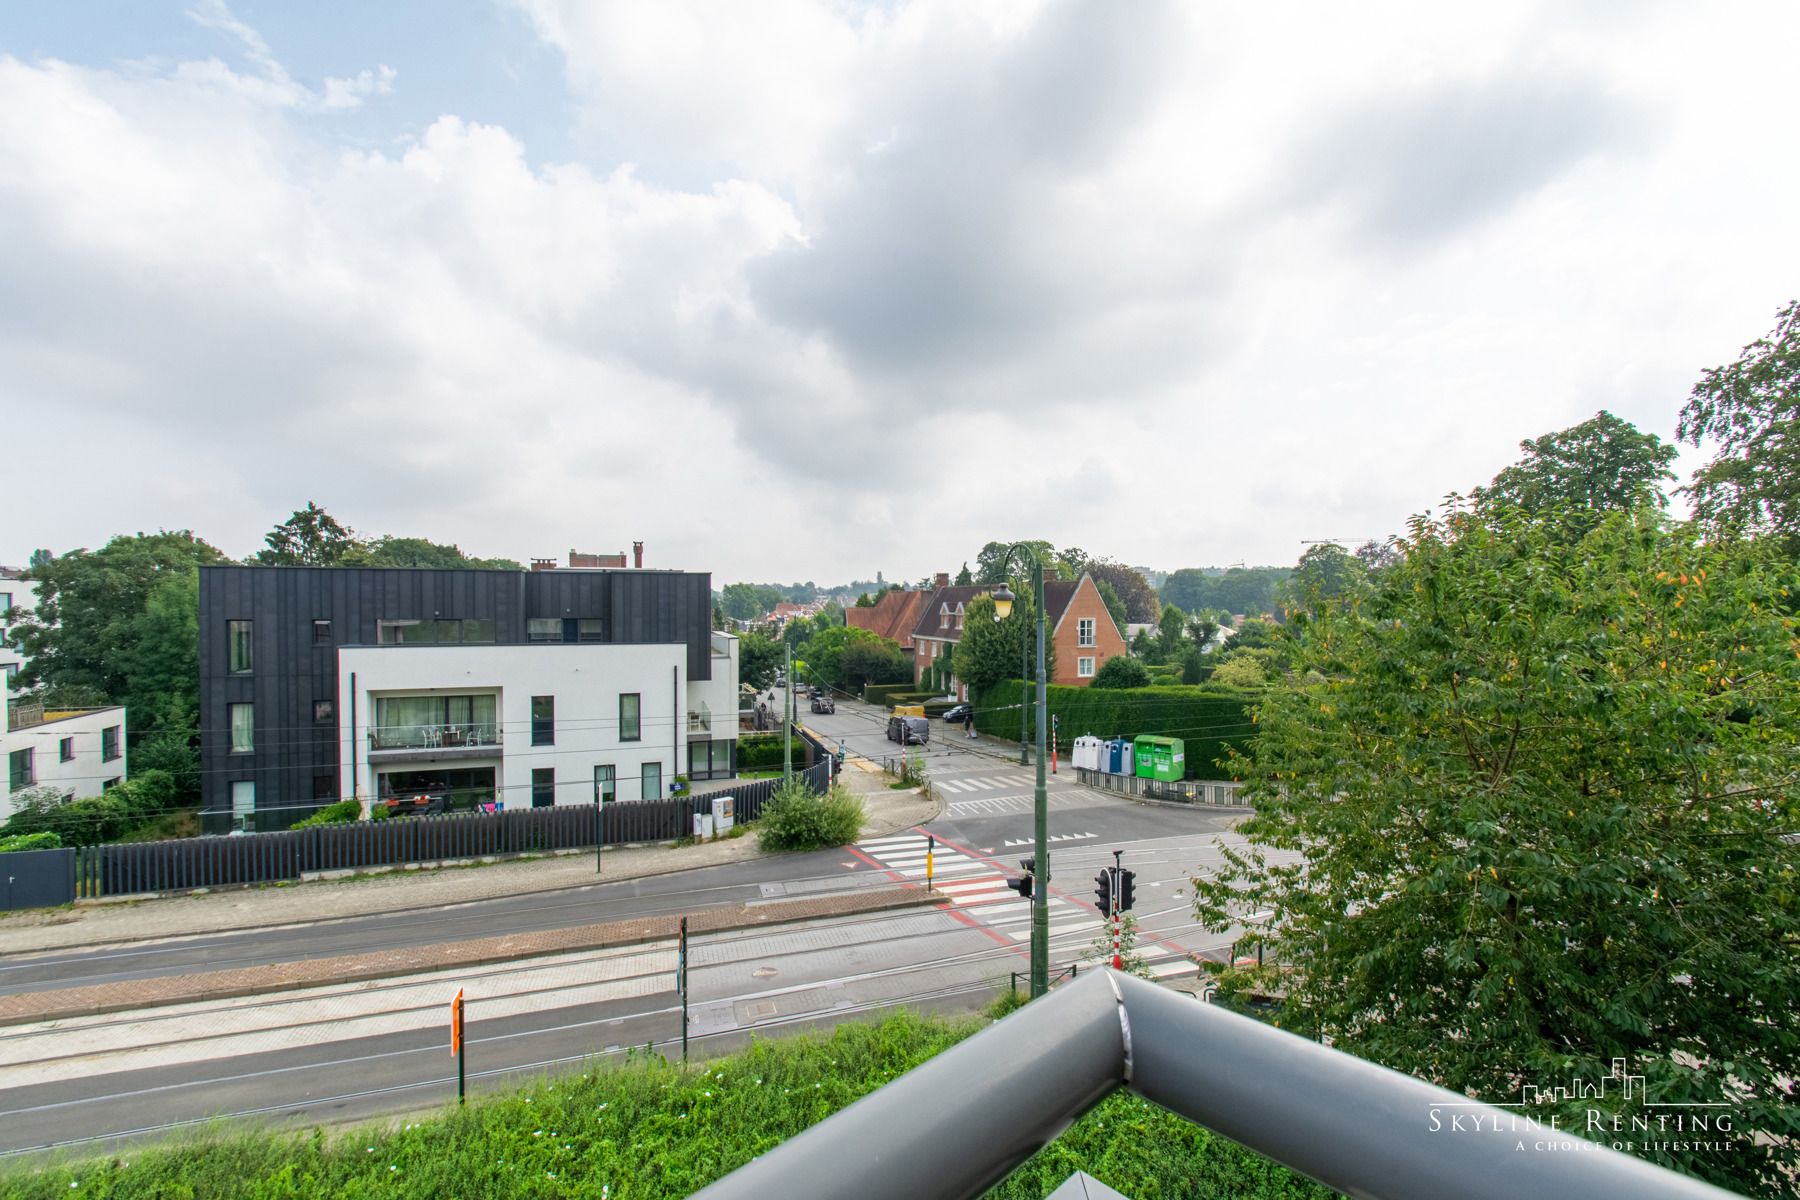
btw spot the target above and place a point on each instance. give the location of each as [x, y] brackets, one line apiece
[205, 862]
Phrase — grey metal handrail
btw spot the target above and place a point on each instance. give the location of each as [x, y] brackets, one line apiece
[956, 1125]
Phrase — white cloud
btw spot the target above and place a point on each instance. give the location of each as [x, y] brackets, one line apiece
[840, 287]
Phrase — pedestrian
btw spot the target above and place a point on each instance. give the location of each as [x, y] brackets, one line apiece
[969, 722]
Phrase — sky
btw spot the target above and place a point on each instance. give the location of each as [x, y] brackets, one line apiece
[809, 290]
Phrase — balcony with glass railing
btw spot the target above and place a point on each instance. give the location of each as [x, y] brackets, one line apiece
[464, 725]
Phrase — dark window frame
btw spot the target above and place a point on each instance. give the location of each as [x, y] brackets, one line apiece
[240, 646]
[231, 727]
[543, 720]
[65, 750]
[606, 789]
[644, 770]
[21, 767]
[543, 787]
[637, 717]
[321, 631]
[109, 743]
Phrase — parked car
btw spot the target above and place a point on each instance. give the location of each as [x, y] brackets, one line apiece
[909, 731]
[957, 715]
[821, 703]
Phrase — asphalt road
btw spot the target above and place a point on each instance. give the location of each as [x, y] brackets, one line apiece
[342, 1053]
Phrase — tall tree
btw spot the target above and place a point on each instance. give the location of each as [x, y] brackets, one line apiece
[1523, 813]
[963, 577]
[991, 651]
[1114, 604]
[991, 569]
[387, 551]
[1602, 465]
[311, 537]
[759, 658]
[1751, 408]
[1325, 573]
[1248, 590]
[1141, 604]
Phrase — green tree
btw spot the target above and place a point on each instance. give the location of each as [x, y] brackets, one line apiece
[1171, 626]
[1524, 813]
[1121, 671]
[741, 602]
[873, 662]
[1115, 605]
[963, 577]
[1249, 590]
[1194, 667]
[1751, 408]
[1601, 465]
[311, 537]
[1326, 573]
[1141, 605]
[759, 658]
[1202, 629]
[991, 651]
[990, 568]
[1243, 670]
[387, 551]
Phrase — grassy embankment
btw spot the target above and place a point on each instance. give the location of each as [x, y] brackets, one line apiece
[646, 1128]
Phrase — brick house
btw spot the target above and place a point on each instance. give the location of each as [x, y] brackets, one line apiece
[1081, 629]
[893, 616]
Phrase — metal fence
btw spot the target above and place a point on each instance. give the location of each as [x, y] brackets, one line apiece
[1211, 793]
[36, 878]
[206, 862]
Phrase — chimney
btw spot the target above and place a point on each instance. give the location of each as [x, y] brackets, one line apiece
[543, 564]
[637, 555]
[943, 579]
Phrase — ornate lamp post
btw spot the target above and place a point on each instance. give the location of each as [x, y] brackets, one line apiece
[1040, 894]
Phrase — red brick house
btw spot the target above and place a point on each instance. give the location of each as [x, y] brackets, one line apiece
[892, 617]
[1081, 629]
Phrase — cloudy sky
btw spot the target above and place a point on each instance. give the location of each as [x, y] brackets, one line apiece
[796, 290]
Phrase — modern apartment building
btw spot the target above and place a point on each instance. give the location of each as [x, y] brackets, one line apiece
[472, 687]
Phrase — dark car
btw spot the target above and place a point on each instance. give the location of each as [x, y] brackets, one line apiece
[821, 703]
[957, 715]
[909, 731]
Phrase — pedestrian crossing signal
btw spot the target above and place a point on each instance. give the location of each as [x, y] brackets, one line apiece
[1127, 880]
[1103, 897]
[1023, 884]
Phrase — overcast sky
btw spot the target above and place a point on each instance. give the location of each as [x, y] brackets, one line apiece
[795, 290]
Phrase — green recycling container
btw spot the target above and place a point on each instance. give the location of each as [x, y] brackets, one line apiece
[1159, 758]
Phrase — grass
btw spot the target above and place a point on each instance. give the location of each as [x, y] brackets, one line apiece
[646, 1128]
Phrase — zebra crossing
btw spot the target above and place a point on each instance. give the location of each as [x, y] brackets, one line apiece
[978, 890]
[986, 783]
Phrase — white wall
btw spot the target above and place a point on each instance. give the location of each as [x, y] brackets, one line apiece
[24, 595]
[586, 680]
[720, 693]
[86, 774]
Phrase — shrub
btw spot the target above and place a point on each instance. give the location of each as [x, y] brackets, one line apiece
[1121, 672]
[763, 752]
[882, 693]
[797, 818]
[30, 841]
[333, 814]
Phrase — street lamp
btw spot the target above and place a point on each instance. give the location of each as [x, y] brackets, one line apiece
[1040, 894]
[1003, 602]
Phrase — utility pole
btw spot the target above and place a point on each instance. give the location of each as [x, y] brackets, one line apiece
[787, 707]
[1040, 900]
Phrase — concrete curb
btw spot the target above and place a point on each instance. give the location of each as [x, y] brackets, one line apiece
[139, 994]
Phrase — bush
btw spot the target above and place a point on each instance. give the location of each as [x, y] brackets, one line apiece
[882, 693]
[340, 813]
[1121, 672]
[763, 752]
[30, 841]
[797, 818]
[1211, 720]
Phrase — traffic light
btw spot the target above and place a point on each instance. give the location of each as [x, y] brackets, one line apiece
[1022, 884]
[1103, 892]
[1126, 880]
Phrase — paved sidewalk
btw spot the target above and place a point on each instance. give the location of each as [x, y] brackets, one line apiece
[138, 994]
[104, 922]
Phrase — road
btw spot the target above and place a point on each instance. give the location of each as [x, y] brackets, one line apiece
[341, 1053]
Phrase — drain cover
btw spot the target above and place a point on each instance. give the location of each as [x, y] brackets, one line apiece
[763, 972]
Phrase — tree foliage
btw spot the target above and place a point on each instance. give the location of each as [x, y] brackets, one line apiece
[1602, 465]
[388, 551]
[759, 659]
[1121, 671]
[1522, 813]
[1751, 408]
[1249, 590]
[311, 537]
[990, 564]
[1325, 574]
[991, 651]
[1141, 603]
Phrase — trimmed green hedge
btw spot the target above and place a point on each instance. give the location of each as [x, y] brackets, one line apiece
[30, 841]
[883, 693]
[762, 752]
[1211, 721]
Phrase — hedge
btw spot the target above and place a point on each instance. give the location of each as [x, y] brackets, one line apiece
[1211, 721]
[883, 693]
[30, 841]
[762, 752]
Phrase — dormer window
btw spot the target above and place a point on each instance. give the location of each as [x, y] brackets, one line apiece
[943, 616]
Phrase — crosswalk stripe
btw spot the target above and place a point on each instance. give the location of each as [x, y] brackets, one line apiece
[1172, 967]
[877, 845]
[949, 785]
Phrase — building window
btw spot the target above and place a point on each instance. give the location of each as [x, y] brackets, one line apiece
[237, 634]
[606, 783]
[5, 602]
[414, 722]
[1084, 667]
[243, 803]
[543, 720]
[12, 671]
[1084, 631]
[449, 631]
[321, 712]
[324, 787]
[243, 727]
[23, 768]
[652, 780]
[944, 617]
[630, 706]
[109, 743]
[590, 629]
[543, 629]
[543, 787]
[321, 633]
[109, 785]
[65, 749]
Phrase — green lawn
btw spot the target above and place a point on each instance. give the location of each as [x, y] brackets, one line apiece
[645, 1128]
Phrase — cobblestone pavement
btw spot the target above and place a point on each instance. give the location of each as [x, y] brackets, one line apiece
[104, 922]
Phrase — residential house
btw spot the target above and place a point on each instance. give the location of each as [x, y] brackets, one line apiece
[893, 616]
[516, 689]
[1081, 629]
[78, 751]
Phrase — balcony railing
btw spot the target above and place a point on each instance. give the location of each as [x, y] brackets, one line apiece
[961, 1122]
[433, 737]
[700, 722]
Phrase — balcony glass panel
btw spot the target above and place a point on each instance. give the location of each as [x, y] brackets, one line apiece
[434, 722]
